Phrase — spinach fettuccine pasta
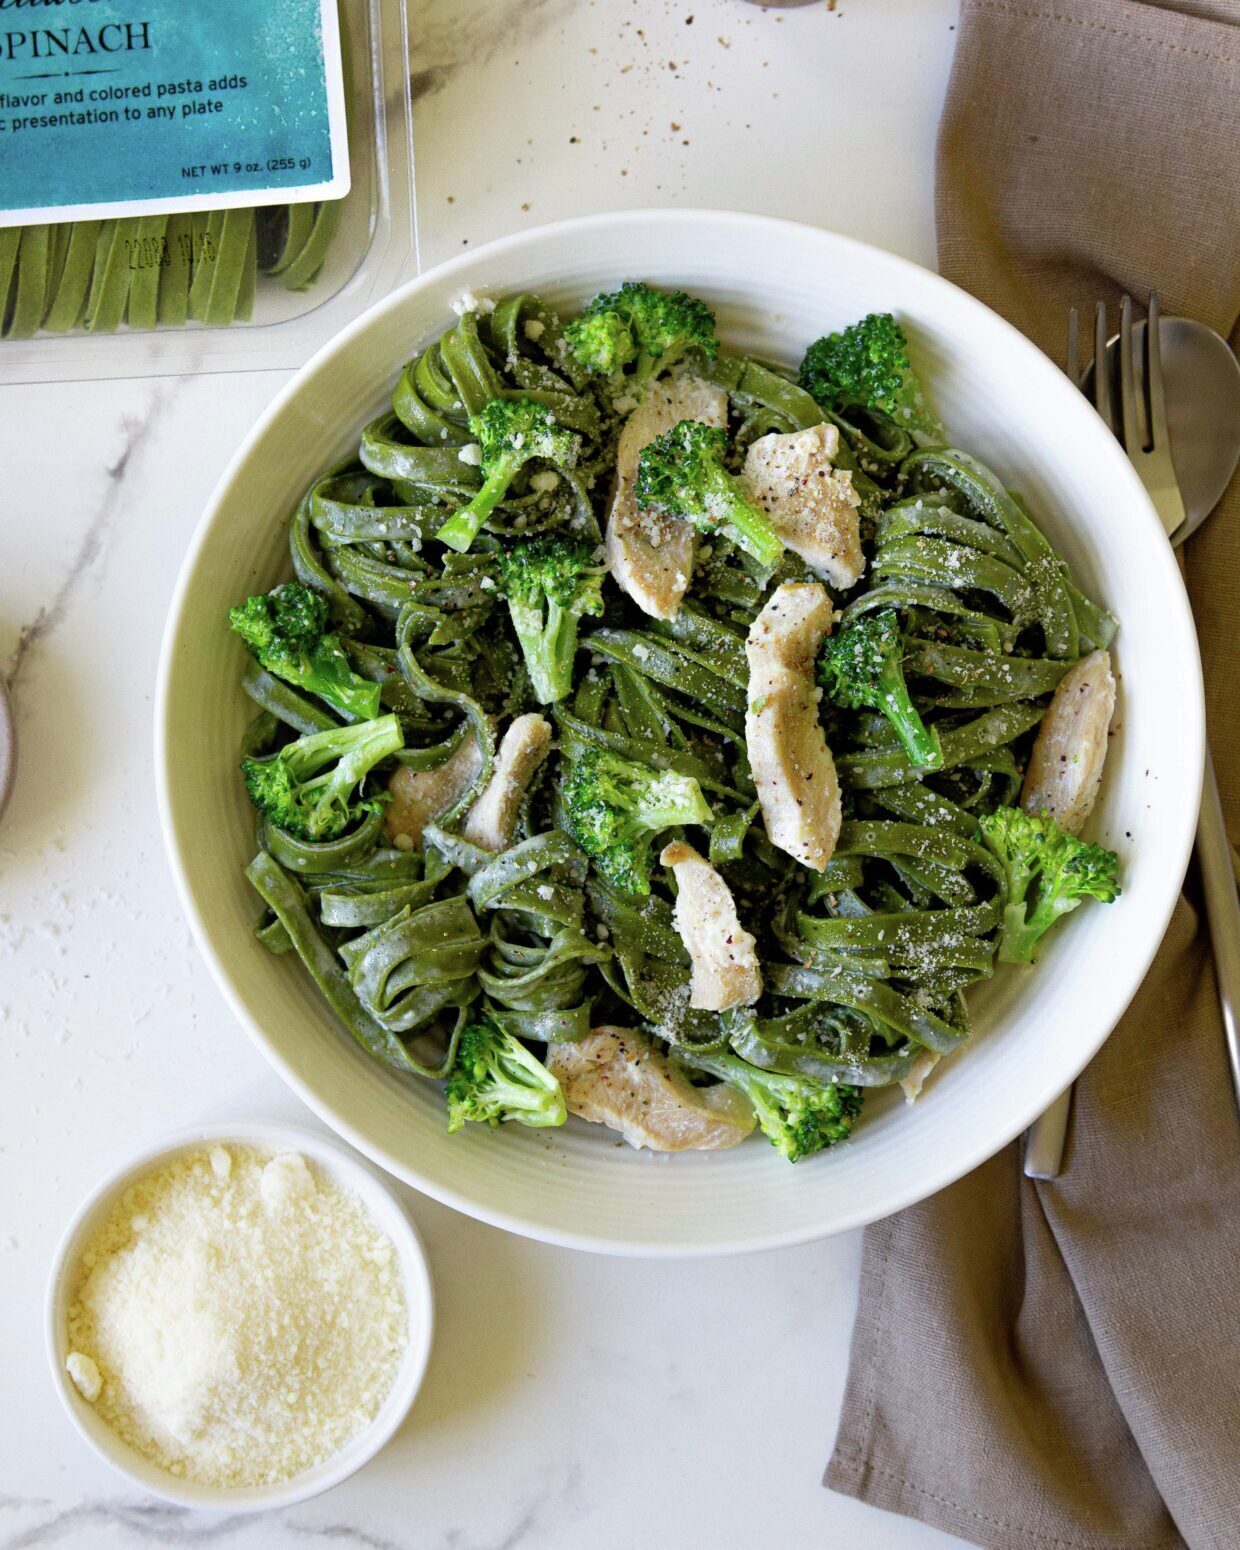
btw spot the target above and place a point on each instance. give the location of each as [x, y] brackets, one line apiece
[666, 736]
[157, 271]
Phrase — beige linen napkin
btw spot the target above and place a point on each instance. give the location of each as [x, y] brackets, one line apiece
[1057, 1366]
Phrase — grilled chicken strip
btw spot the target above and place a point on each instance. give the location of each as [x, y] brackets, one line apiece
[792, 766]
[810, 503]
[1065, 767]
[616, 1077]
[419, 796]
[723, 954]
[912, 1084]
[493, 817]
[651, 556]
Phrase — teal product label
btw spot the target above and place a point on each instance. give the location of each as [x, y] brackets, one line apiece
[141, 107]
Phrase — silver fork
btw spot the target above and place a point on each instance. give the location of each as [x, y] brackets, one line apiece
[1141, 426]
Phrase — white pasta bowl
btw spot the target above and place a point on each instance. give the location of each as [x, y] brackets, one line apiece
[347, 1172]
[775, 286]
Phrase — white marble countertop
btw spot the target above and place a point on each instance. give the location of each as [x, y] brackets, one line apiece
[570, 1399]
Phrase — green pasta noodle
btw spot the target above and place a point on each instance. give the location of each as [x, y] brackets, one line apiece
[147, 272]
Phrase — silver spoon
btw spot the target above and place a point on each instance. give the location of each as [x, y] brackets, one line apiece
[1201, 382]
[1201, 386]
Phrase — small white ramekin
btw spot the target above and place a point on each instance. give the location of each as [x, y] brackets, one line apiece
[346, 1170]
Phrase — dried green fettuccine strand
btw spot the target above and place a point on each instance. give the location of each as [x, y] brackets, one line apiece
[157, 271]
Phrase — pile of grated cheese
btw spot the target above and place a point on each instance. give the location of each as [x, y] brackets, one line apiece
[238, 1317]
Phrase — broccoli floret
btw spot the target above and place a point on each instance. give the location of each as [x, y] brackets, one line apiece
[797, 1116]
[550, 583]
[863, 666]
[681, 474]
[310, 788]
[868, 364]
[509, 432]
[1049, 873]
[632, 335]
[495, 1078]
[614, 808]
[286, 629]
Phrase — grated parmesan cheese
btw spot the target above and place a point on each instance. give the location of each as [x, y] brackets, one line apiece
[85, 1376]
[468, 301]
[238, 1317]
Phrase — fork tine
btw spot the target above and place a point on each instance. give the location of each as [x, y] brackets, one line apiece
[1133, 441]
[1154, 378]
[1074, 347]
[1102, 371]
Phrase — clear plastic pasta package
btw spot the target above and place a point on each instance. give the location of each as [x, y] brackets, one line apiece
[198, 188]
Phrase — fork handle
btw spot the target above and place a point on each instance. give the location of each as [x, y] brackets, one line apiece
[1045, 1138]
[1218, 880]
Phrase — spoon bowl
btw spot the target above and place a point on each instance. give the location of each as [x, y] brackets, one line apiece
[1201, 383]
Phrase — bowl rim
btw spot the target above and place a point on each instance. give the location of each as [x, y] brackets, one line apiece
[353, 1172]
[927, 1183]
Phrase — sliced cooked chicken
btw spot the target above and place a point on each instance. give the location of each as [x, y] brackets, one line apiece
[723, 954]
[651, 556]
[912, 1084]
[615, 1077]
[811, 504]
[419, 796]
[493, 817]
[792, 766]
[1065, 767]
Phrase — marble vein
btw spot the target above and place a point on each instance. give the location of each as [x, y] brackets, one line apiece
[162, 1524]
[166, 1525]
[147, 1522]
[136, 432]
[341, 1533]
[538, 1513]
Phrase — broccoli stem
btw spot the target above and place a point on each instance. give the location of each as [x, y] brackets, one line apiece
[460, 530]
[356, 697]
[920, 742]
[755, 534]
[549, 647]
[672, 800]
[1023, 929]
[372, 743]
[911, 410]
[1018, 942]
[554, 678]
